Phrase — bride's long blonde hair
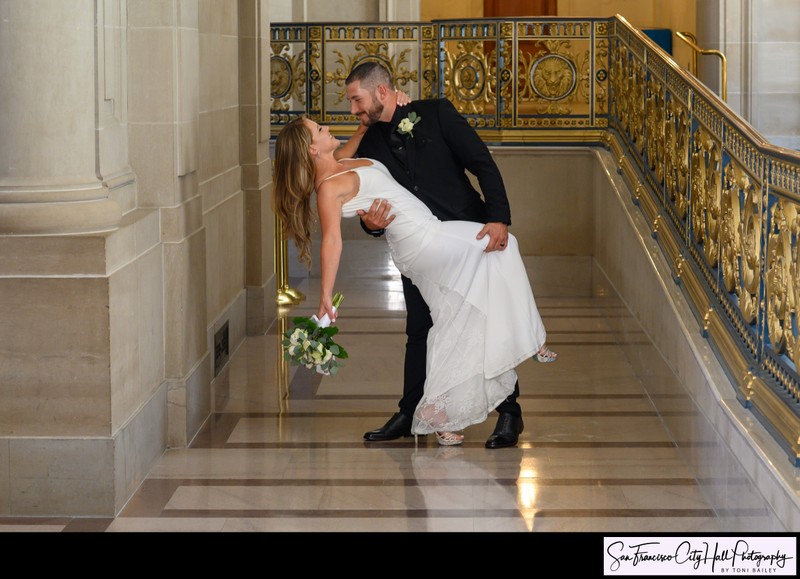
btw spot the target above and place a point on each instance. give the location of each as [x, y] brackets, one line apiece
[293, 184]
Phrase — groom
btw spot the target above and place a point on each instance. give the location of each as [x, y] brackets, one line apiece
[429, 158]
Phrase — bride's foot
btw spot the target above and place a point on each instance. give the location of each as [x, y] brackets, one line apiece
[449, 438]
[545, 355]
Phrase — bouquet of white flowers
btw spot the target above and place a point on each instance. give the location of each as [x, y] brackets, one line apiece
[310, 343]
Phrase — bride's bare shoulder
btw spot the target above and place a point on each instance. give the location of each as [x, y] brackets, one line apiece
[337, 186]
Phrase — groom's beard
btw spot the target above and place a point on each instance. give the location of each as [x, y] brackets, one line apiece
[374, 114]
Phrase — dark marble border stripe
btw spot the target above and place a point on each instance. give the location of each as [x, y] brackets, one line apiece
[87, 525]
[219, 427]
[550, 333]
[407, 443]
[544, 413]
[562, 342]
[172, 484]
[521, 397]
[43, 521]
[379, 314]
[620, 342]
[68, 525]
[586, 315]
[610, 332]
[437, 513]
[591, 312]
[155, 493]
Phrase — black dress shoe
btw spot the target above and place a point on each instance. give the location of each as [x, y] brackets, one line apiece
[506, 432]
[399, 425]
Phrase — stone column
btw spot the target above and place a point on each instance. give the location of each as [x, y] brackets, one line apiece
[54, 171]
[255, 104]
[71, 393]
[164, 126]
[399, 10]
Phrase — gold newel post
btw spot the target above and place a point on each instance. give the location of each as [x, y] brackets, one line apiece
[282, 370]
[286, 295]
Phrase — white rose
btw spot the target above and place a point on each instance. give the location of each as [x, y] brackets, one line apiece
[405, 126]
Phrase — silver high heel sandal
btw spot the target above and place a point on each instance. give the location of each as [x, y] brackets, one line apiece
[545, 355]
[449, 438]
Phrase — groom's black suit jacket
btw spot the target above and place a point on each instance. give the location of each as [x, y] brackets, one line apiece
[443, 146]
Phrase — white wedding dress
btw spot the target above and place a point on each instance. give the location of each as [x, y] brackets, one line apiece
[485, 320]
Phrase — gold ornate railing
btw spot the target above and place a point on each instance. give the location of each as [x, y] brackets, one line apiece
[515, 80]
[724, 204]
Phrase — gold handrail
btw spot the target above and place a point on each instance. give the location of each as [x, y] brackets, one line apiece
[691, 40]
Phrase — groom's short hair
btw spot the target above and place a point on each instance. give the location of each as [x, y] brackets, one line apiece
[370, 74]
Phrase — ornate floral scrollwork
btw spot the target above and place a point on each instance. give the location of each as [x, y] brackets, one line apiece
[740, 240]
[601, 76]
[635, 96]
[315, 69]
[467, 82]
[698, 191]
[288, 77]
[677, 156]
[750, 264]
[781, 299]
[430, 67]
[503, 82]
[706, 195]
[655, 127]
[731, 219]
[619, 82]
[371, 51]
[783, 280]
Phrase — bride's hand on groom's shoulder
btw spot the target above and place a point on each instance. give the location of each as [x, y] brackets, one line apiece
[402, 98]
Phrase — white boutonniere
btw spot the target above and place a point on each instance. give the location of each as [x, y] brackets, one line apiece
[406, 126]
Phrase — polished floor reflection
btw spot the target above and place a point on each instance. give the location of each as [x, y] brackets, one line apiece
[283, 451]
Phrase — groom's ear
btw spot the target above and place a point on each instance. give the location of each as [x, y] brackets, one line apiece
[382, 92]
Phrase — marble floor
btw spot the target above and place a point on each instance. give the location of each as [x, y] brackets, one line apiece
[284, 449]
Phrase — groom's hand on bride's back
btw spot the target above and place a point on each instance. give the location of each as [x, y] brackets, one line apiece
[378, 217]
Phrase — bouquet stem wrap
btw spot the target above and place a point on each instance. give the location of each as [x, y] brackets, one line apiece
[325, 321]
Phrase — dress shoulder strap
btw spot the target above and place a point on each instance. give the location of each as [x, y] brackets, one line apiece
[346, 170]
[337, 174]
